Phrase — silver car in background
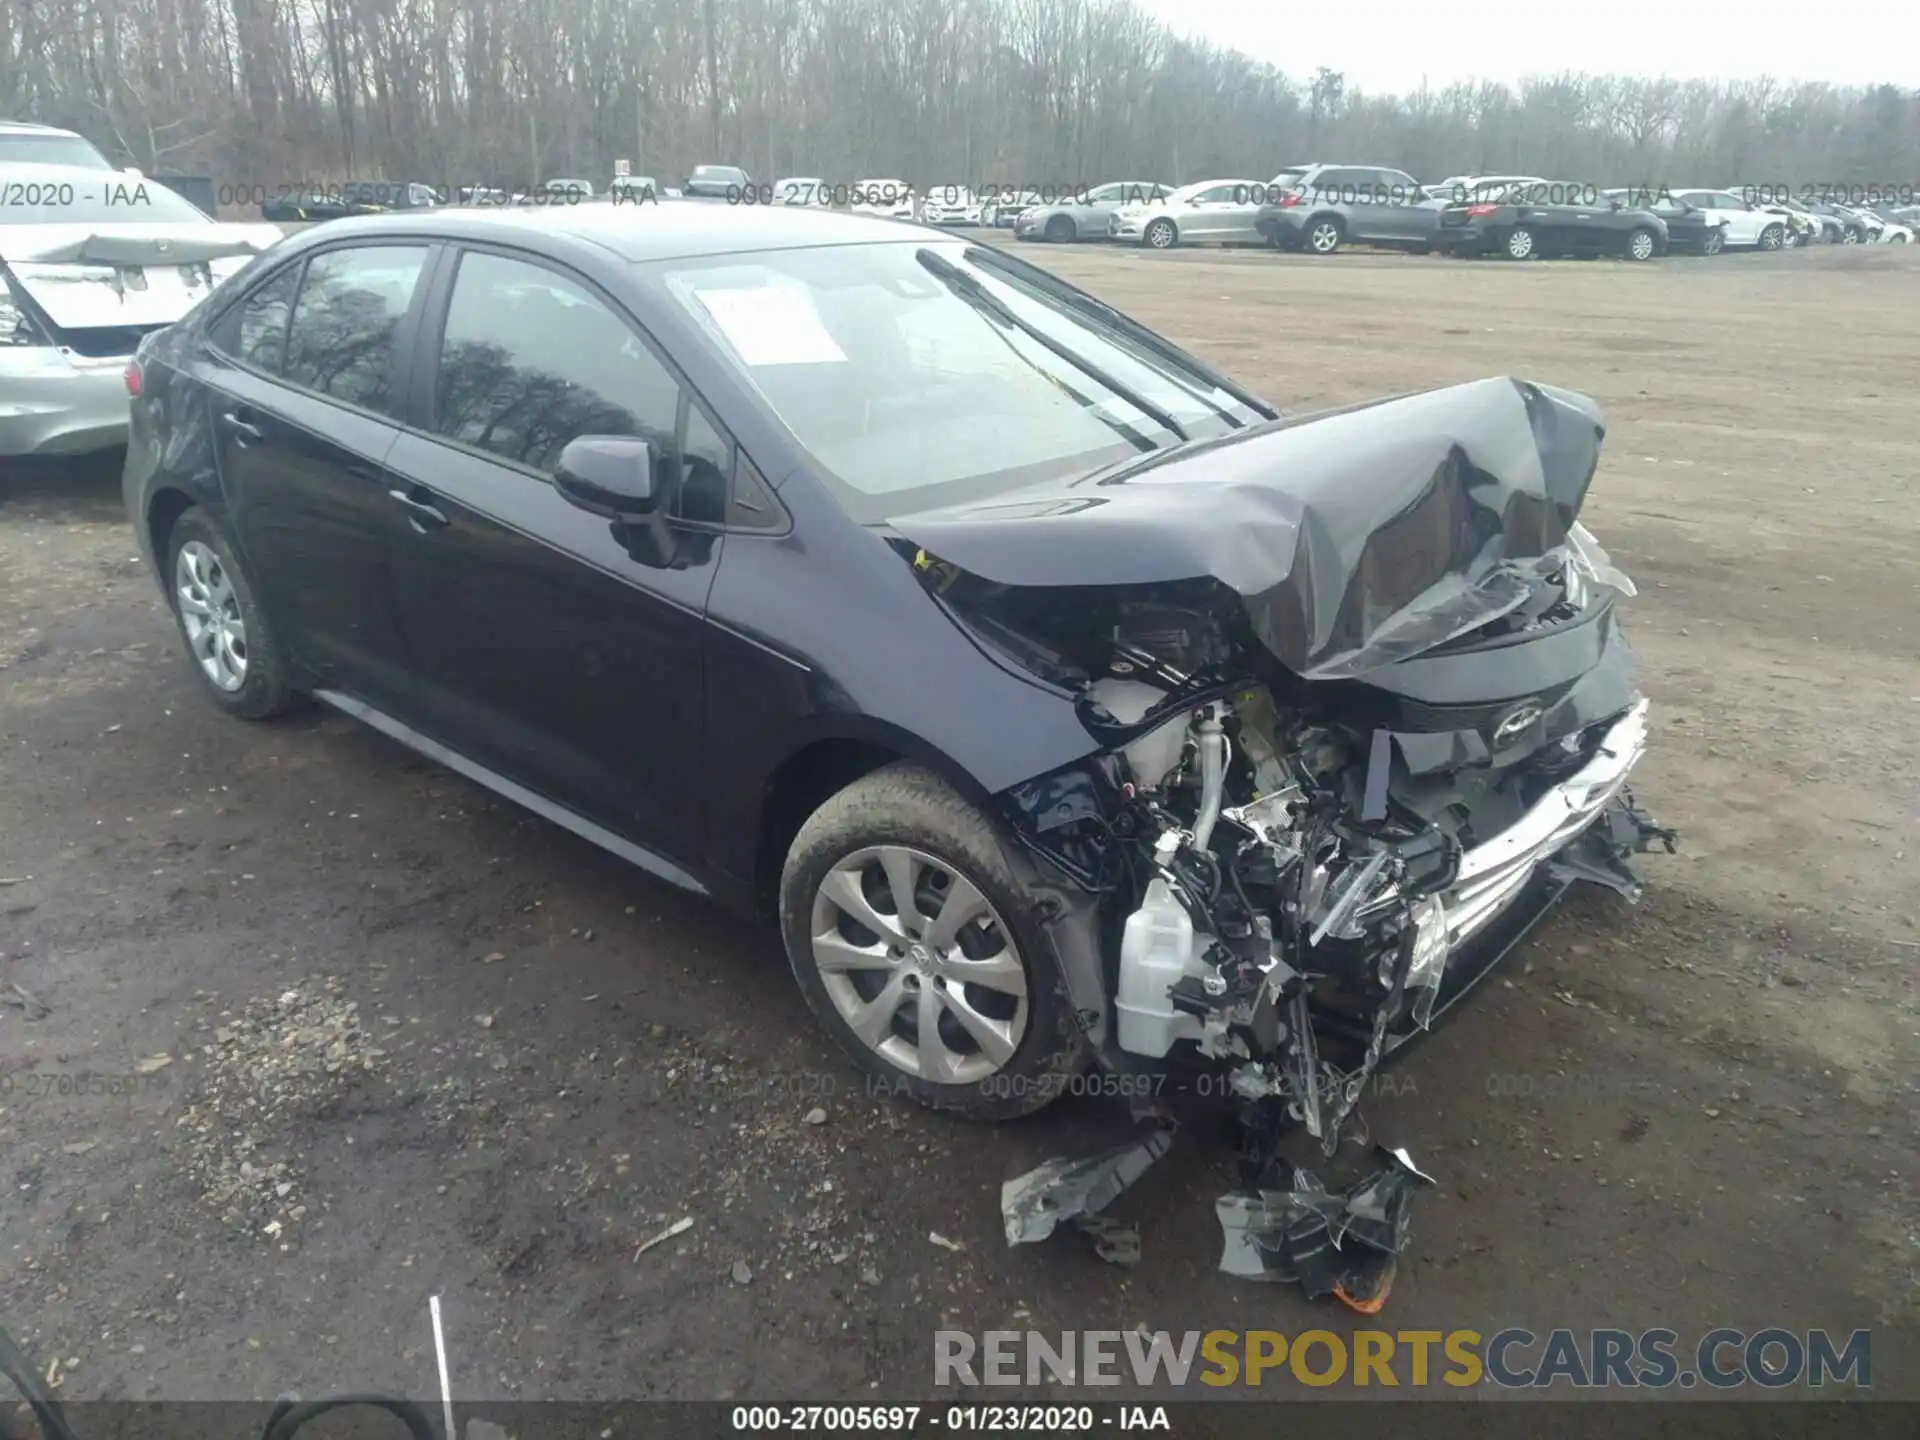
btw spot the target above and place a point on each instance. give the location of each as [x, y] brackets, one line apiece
[1085, 215]
[1208, 212]
[93, 261]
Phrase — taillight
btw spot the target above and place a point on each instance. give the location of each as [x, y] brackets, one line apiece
[1481, 209]
[1290, 199]
[133, 378]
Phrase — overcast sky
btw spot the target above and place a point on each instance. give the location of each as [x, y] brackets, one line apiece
[1388, 45]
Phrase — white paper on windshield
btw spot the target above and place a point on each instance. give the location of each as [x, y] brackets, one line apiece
[771, 326]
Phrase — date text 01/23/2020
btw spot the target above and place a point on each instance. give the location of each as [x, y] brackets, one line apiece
[931, 1419]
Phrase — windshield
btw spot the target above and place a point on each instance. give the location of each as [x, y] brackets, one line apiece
[38, 149]
[726, 173]
[912, 394]
[112, 199]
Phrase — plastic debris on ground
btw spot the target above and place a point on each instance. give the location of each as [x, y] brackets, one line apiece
[1343, 1244]
[1068, 1191]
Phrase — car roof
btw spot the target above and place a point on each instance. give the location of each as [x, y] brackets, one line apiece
[34, 127]
[673, 229]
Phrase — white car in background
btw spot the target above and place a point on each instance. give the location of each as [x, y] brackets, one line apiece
[1748, 226]
[1892, 231]
[93, 261]
[949, 205]
[1208, 212]
[892, 198]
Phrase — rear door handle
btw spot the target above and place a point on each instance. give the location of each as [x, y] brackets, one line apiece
[423, 513]
[244, 430]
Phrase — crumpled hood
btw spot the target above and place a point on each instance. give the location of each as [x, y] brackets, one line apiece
[94, 275]
[1355, 538]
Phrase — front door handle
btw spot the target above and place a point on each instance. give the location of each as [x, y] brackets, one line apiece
[423, 513]
[244, 430]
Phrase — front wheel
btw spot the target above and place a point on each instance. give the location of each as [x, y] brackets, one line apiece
[234, 650]
[1520, 243]
[1060, 230]
[1641, 244]
[1324, 236]
[1773, 237]
[921, 953]
[1711, 245]
[1161, 235]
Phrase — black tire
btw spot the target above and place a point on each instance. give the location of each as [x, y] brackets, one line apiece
[1061, 230]
[906, 805]
[1642, 244]
[1773, 237]
[1160, 234]
[1324, 235]
[1518, 243]
[265, 691]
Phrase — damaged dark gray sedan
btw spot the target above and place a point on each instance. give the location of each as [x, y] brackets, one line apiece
[1067, 704]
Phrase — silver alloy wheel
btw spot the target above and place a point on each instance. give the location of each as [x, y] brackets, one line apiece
[210, 615]
[1850, 237]
[1772, 237]
[1640, 245]
[933, 984]
[1519, 242]
[1161, 235]
[1715, 239]
[1324, 238]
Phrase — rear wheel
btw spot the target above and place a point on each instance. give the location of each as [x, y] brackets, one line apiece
[1520, 243]
[233, 649]
[1641, 244]
[921, 953]
[1161, 234]
[1060, 229]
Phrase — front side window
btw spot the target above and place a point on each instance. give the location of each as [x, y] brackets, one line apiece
[910, 391]
[350, 308]
[532, 360]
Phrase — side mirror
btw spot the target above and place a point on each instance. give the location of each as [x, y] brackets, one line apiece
[610, 476]
[618, 478]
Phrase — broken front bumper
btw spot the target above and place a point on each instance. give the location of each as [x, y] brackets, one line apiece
[1493, 875]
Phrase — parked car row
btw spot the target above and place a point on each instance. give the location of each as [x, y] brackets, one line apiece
[1320, 208]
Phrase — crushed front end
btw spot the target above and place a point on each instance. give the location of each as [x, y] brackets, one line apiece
[1363, 712]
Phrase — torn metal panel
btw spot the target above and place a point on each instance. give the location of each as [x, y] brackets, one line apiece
[1354, 538]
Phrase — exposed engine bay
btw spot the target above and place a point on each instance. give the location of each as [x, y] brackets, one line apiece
[1363, 711]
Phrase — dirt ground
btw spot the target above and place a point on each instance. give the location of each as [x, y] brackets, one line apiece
[312, 1029]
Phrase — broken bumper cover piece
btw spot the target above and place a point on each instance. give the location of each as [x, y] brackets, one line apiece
[1062, 1190]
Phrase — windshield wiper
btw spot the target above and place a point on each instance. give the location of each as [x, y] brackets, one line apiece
[1014, 266]
[977, 295]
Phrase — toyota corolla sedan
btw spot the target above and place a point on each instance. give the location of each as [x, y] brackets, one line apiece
[1063, 703]
[91, 261]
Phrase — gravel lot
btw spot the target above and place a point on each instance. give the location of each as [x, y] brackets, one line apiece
[356, 1032]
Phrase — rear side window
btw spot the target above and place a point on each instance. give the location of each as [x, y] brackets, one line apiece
[350, 308]
[254, 332]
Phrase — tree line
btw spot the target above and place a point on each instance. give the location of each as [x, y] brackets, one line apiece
[512, 92]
